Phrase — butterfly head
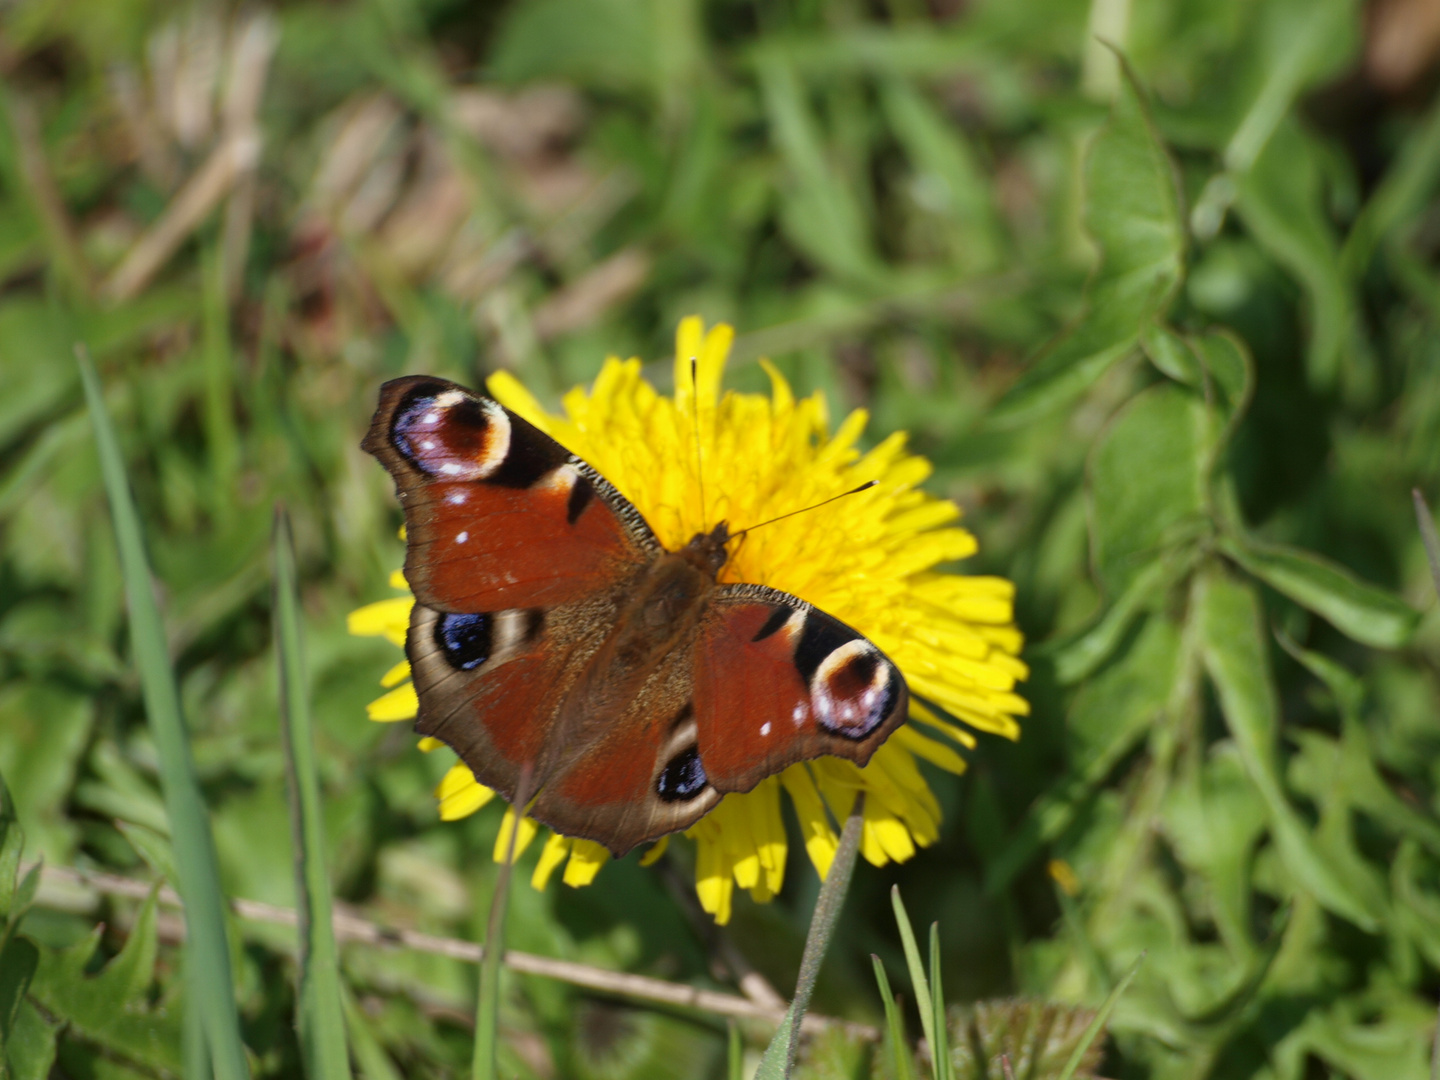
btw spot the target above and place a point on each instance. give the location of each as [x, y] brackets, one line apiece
[706, 551]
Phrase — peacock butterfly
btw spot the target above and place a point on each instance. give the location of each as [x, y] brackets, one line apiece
[559, 648]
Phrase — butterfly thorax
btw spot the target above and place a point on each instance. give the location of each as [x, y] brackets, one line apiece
[706, 551]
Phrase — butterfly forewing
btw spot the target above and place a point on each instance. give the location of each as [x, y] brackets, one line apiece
[498, 515]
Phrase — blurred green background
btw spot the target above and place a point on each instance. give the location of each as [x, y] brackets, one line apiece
[1179, 365]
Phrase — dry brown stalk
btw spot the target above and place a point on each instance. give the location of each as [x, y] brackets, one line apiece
[56, 881]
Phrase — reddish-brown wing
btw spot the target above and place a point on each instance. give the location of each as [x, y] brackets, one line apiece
[498, 515]
[495, 687]
[778, 681]
[638, 777]
[490, 684]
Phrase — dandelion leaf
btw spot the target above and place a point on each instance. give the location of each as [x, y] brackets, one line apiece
[1132, 211]
[110, 1008]
[1147, 483]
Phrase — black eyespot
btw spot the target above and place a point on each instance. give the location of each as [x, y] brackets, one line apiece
[778, 618]
[580, 496]
[464, 639]
[682, 779]
[822, 635]
[428, 436]
[845, 697]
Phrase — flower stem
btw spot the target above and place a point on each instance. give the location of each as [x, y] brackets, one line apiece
[779, 1056]
[487, 1006]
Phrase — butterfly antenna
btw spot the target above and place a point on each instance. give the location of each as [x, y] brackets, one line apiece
[806, 509]
[699, 460]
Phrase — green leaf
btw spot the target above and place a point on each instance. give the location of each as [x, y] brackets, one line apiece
[946, 170]
[109, 1007]
[370, 1056]
[1350, 761]
[1132, 210]
[896, 1049]
[1080, 656]
[1367, 613]
[1097, 1025]
[199, 876]
[1110, 714]
[918, 982]
[1147, 483]
[18, 960]
[12, 841]
[1428, 538]
[1234, 652]
[1214, 818]
[944, 1068]
[1172, 355]
[1281, 200]
[321, 1012]
[30, 1047]
[820, 213]
[1404, 191]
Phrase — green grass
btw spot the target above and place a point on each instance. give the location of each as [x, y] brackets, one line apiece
[1166, 326]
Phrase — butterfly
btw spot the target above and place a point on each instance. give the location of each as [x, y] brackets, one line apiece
[564, 653]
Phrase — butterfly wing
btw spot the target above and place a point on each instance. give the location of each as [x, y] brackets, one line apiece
[639, 777]
[491, 684]
[778, 681]
[497, 687]
[498, 515]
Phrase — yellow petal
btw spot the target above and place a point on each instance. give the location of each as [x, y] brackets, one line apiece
[932, 751]
[460, 794]
[396, 674]
[651, 857]
[399, 704]
[528, 829]
[512, 393]
[821, 842]
[429, 743]
[925, 715]
[384, 618]
[555, 851]
[586, 859]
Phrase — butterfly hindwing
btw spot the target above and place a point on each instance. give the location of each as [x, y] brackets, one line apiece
[491, 684]
[498, 515]
[779, 681]
[638, 777]
[498, 688]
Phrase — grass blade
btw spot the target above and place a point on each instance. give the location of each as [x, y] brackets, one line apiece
[734, 1053]
[1098, 1024]
[901, 1065]
[944, 1068]
[1427, 535]
[207, 952]
[912, 961]
[321, 1019]
[779, 1058]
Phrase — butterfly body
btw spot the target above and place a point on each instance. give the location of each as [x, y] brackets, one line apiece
[554, 636]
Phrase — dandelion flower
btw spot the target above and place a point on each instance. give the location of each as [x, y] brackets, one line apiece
[870, 560]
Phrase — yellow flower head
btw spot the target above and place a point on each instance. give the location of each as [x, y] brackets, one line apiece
[868, 559]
